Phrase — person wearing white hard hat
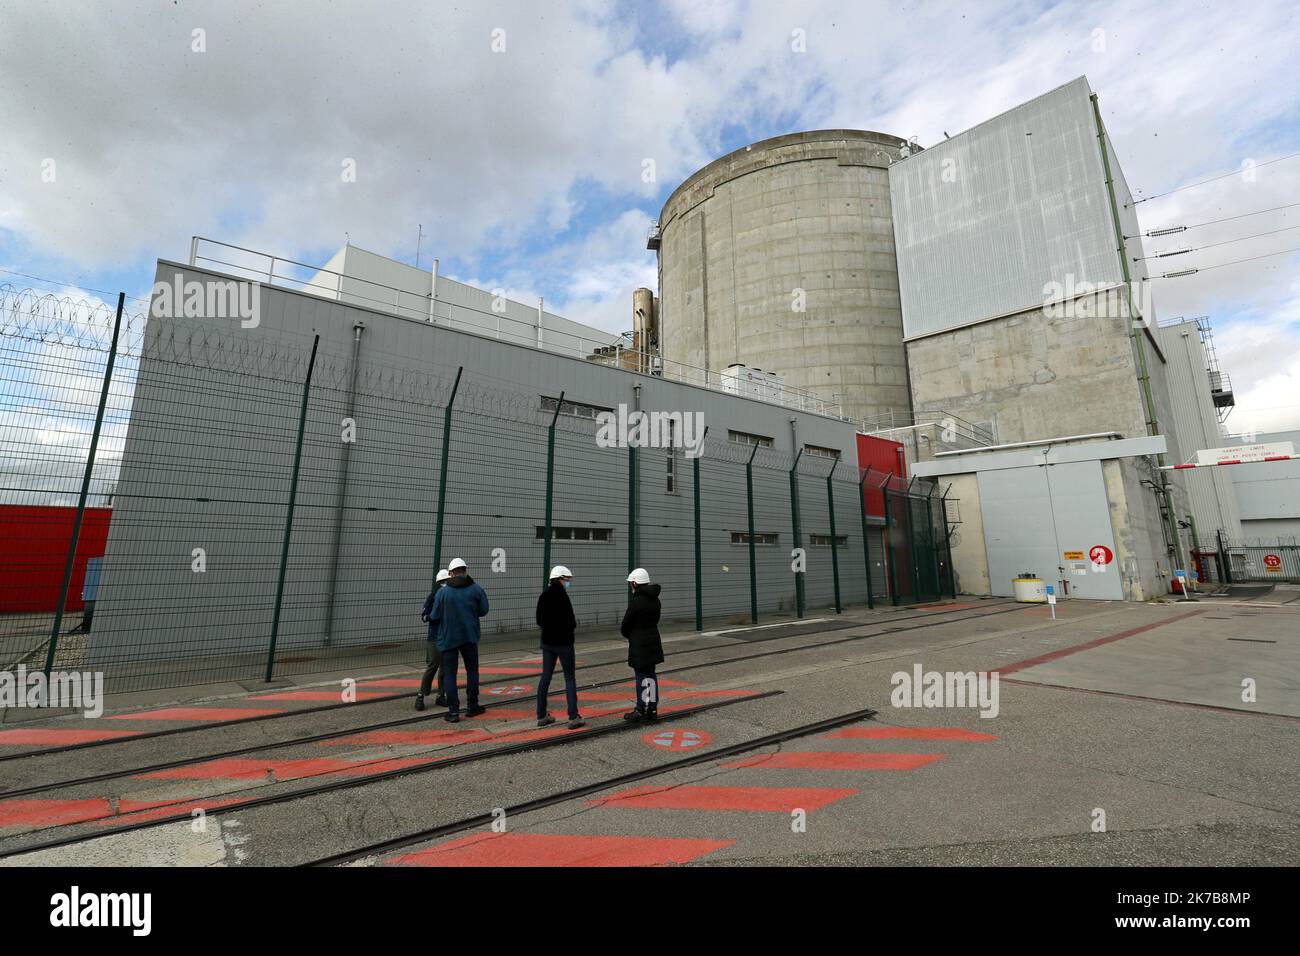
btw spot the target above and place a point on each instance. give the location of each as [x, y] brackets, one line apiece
[556, 619]
[644, 649]
[432, 656]
[458, 607]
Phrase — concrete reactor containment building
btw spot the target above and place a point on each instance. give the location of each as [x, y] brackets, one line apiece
[780, 257]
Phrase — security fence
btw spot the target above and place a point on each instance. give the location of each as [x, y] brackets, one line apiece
[182, 505]
[1240, 562]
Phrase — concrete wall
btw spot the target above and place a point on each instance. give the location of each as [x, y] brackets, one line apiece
[1034, 375]
[209, 453]
[805, 211]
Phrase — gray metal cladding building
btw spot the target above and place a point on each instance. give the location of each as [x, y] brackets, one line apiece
[193, 562]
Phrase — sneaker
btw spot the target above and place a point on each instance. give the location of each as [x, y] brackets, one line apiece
[440, 700]
[419, 702]
[451, 718]
[545, 721]
[634, 716]
[651, 715]
[475, 711]
[576, 722]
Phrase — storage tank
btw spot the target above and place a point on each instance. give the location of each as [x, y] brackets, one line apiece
[780, 256]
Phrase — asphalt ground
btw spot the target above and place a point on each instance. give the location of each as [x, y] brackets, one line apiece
[1121, 737]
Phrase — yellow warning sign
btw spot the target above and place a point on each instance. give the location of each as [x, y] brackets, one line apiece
[1074, 555]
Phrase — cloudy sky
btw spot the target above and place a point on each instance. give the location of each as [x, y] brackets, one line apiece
[517, 134]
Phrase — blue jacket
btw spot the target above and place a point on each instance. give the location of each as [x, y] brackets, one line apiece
[427, 614]
[457, 607]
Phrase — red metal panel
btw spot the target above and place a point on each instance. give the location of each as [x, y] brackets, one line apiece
[34, 543]
[882, 455]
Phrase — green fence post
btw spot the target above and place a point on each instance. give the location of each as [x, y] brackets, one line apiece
[631, 507]
[947, 543]
[909, 512]
[835, 560]
[442, 480]
[934, 544]
[550, 487]
[699, 583]
[85, 490]
[798, 540]
[753, 561]
[891, 559]
[866, 542]
[288, 520]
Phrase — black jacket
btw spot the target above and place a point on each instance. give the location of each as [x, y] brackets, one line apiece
[641, 628]
[555, 615]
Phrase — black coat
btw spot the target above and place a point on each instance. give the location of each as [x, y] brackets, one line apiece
[641, 628]
[555, 616]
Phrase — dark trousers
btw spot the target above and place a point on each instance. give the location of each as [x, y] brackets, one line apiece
[451, 674]
[648, 674]
[433, 663]
[563, 653]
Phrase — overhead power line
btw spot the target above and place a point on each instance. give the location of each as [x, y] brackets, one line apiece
[1212, 245]
[1219, 265]
[1213, 179]
[1170, 230]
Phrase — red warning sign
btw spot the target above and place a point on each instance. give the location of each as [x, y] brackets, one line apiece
[1272, 562]
[1100, 554]
[678, 739]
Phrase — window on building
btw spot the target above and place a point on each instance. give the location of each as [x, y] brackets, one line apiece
[824, 540]
[821, 452]
[571, 533]
[745, 438]
[762, 539]
[573, 409]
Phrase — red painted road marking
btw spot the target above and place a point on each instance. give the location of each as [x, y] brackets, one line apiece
[678, 739]
[910, 733]
[663, 682]
[318, 695]
[834, 760]
[674, 695]
[141, 811]
[31, 813]
[508, 690]
[199, 713]
[525, 671]
[62, 737]
[500, 713]
[1067, 651]
[544, 849]
[750, 799]
[460, 736]
[397, 682]
[237, 769]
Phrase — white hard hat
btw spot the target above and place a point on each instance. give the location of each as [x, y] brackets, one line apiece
[443, 575]
[560, 571]
[456, 564]
[639, 576]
